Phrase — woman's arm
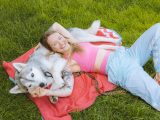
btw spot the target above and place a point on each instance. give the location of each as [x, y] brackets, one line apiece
[66, 90]
[60, 29]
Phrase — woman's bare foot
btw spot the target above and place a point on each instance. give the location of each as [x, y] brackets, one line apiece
[157, 78]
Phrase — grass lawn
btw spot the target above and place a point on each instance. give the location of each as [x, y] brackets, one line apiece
[22, 22]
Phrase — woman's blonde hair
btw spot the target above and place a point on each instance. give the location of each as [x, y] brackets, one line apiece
[75, 47]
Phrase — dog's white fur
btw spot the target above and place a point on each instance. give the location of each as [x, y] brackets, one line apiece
[31, 74]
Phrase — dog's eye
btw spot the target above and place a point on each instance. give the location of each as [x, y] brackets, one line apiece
[29, 85]
[32, 75]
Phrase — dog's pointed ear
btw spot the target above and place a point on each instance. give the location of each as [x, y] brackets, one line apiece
[94, 27]
[19, 66]
[16, 90]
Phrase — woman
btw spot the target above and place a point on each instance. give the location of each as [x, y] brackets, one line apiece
[123, 67]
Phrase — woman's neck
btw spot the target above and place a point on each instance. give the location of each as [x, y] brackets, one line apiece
[67, 53]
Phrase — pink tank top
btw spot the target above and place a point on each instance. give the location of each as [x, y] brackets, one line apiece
[86, 59]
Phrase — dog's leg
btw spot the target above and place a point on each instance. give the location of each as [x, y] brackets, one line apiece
[93, 38]
[83, 36]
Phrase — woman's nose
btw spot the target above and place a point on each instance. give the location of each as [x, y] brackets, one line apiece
[62, 43]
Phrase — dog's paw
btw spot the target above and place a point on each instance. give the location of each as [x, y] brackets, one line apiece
[53, 99]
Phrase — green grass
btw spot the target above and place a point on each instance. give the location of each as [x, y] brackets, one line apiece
[22, 22]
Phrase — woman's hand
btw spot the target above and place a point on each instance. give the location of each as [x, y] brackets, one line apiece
[38, 92]
[73, 66]
[37, 46]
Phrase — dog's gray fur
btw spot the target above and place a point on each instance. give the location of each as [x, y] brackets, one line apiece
[41, 68]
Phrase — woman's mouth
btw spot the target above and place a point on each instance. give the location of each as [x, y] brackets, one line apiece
[63, 47]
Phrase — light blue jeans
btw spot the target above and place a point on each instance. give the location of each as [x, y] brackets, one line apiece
[125, 67]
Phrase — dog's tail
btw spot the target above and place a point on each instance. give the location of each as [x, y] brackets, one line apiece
[94, 27]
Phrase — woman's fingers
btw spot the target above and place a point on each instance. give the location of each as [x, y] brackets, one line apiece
[42, 92]
[35, 92]
[38, 92]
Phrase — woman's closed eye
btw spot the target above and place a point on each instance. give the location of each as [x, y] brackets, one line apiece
[60, 38]
[54, 44]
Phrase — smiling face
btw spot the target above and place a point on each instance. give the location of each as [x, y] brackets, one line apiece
[58, 43]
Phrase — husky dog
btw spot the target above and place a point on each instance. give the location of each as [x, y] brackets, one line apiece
[43, 69]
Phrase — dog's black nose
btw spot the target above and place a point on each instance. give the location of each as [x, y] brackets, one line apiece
[41, 85]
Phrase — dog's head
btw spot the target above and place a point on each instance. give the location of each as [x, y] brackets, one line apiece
[29, 77]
